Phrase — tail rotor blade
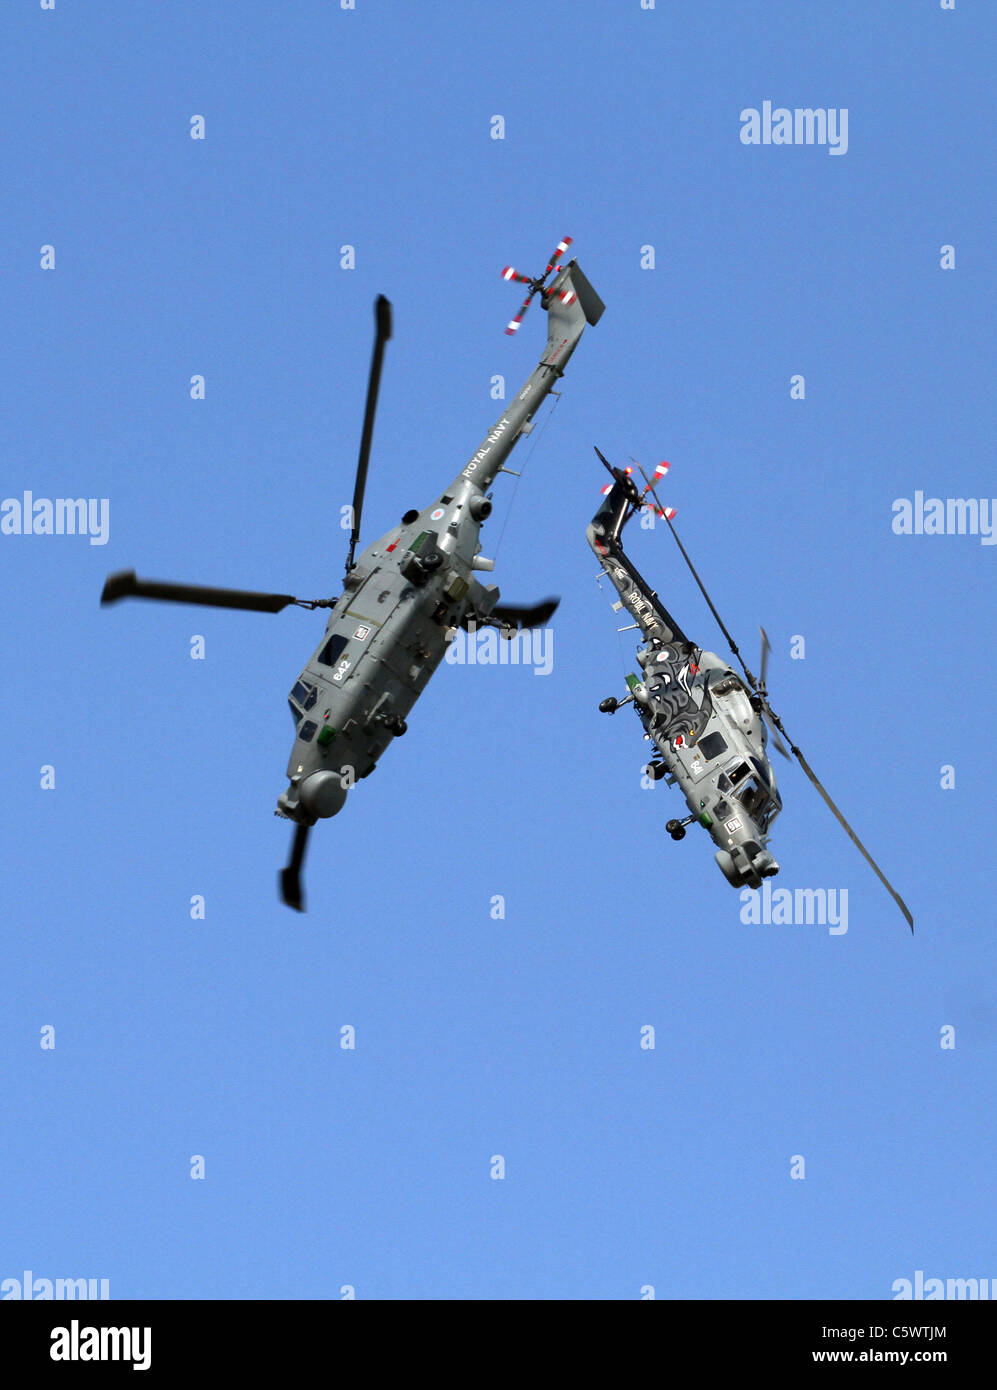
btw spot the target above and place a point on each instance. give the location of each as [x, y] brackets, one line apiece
[382, 314]
[656, 476]
[513, 324]
[290, 877]
[558, 252]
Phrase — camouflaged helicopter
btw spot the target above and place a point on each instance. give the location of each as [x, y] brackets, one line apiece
[708, 726]
[408, 593]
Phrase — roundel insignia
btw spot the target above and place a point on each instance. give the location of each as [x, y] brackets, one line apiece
[435, 515]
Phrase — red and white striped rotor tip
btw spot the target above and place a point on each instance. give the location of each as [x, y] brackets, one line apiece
[559, 251]
[657, 475]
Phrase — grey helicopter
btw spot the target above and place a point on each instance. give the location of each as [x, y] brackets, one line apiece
[709, 727]
[405, 597]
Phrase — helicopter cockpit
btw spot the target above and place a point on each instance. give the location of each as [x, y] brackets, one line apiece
[754, 790]
[756, 801]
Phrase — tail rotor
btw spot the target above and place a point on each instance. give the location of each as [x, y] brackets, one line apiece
[666, 513]
[537, 284]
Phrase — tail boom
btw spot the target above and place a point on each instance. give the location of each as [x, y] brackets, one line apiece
[571, 303]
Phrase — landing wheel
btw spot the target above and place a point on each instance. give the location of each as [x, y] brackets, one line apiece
[675, 829]
[609, 706]
[398, 726]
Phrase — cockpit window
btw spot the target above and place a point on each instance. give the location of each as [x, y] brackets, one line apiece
[305, 694]
[762, 771]
[712, 746]
[333, 649]
[307, 731]
[752, 795]
[755, 798]
[726, 684]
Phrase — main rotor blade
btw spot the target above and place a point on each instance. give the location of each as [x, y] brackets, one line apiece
[619, 475]
[126, 585]
[777, 742]
[382, 314]
[702, 589]
[843, 823]
[604, 460]
[290, 878]
[517, 616]
[766, 648]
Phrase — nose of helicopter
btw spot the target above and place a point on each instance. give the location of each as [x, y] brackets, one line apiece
[322, 794]
[317, 797]
[746, 864]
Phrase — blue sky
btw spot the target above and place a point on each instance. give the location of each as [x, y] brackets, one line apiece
[370, 1169]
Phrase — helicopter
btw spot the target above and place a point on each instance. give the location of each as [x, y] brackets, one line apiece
[405, 597]
[709, 727]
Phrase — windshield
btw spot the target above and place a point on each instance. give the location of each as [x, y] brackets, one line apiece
[305, 693]
[754, 797]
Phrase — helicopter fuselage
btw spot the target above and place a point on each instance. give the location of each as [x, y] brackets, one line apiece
[407, 595]
[388, 632]
[698, 714]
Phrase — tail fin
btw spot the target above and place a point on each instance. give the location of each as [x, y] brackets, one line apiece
[592, 305]
[571, 302]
